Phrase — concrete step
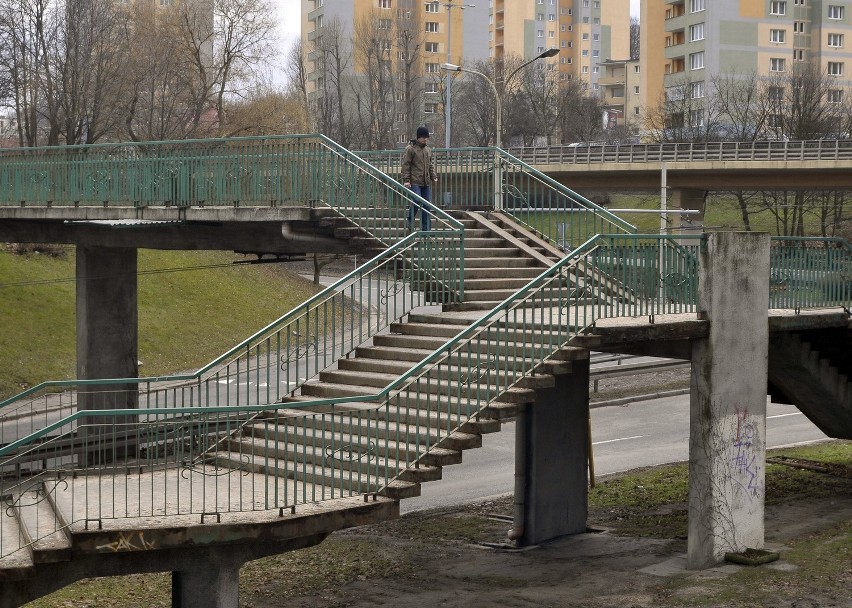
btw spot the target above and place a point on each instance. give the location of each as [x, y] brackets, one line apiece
[497, 272]
[499, 259]
[371, 425]
[323, 477]
[335, 452]
[42, 525]
[382, 419]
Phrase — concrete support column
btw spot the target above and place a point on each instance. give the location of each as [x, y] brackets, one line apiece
[107, 318]
[688, 200]
[556, 455]
[107, 345]
[727, 447]
[207, 583]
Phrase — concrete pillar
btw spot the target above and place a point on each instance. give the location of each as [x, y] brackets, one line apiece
[107, 344]
[556, 455]
[207, 583]
[728, 399]
[690, 200]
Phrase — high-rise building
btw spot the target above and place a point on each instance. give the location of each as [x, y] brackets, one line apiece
[586, 32]
[686, 45]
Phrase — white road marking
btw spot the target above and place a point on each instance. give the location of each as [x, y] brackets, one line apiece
[614, 440]
[784, 415]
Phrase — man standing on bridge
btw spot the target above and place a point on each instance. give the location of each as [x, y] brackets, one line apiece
[418, 174]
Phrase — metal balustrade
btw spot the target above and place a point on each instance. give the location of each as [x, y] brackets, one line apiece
[423, 268]
[810, 272]
[543, 205]
[725, 151]
[279, 171]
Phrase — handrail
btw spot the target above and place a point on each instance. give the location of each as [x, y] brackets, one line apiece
[535, 200]
[308, 451]
[272, 171]
[421, 268]
[810, 272]
[722, 151]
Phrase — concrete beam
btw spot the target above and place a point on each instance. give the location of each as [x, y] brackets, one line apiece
[727, 450]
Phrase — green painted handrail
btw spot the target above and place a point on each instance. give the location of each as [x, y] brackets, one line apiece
[287, 170]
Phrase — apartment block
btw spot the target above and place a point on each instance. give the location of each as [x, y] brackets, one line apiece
[620, 85]
[586, 32]
[696, 41]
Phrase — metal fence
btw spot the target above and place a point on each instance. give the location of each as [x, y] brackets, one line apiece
[296, 170]
[725, 151]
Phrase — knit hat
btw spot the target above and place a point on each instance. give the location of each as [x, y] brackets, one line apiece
[422, 132]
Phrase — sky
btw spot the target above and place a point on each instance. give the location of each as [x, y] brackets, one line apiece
[288, 13]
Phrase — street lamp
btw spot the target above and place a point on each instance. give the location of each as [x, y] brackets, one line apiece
[449, 5]
[498, 99]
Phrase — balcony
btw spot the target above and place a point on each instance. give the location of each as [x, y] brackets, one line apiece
[609, 81]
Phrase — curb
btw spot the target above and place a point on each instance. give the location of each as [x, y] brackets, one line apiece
[646, 397]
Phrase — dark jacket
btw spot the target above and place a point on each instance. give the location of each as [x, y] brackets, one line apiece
[418, 165]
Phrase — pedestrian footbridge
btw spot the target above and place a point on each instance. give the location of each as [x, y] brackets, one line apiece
[330, 415]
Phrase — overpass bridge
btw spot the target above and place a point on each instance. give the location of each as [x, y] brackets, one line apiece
[342, 407]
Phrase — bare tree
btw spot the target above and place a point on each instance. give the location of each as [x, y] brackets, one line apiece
[634, 38]
[410, 85]
[297, 77]
[332, 69]
[683, 113]
[475, 115]
[373, 90]
[578, 113]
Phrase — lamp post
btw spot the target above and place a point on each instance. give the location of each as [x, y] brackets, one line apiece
[449, 5]
[498, 99]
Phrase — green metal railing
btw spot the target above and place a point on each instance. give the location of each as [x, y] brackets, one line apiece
[543, 205]
[810, 272]
[233, 458]
[291, 170]
[274, 362]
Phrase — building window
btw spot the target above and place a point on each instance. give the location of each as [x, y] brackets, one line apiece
[385, 24]
[318, 3]
[431, 47]
[585, 69]
[835, 12]
[696, 6]
[551, 34]
[596, 70]
[776, 93]
[539, 33]
[432, 27]
[778, 36]
[539, 17]
[798, 54]
[777, 64]
[635, 69]
[596, 53]
[551, 17]
[385, 3]
[636, 111]
[563, 28]
[586, 36]
[636, 90]
[696, 118]
[835, 40]
[775, 121]
[596, 37]
[778, 7]
[835, 68]
[696, 32]
[697, 90]
[696, 60]
[835, 96]
[433, 68]
[799, 27]
[319, 21]
[430, 108]
[432, 7]
[585, 52]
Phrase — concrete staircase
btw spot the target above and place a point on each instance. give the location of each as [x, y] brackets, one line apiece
[812, 372]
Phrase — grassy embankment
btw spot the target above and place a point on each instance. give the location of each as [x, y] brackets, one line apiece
[186, 318]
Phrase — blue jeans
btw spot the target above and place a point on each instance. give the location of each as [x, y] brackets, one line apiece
[425, 212]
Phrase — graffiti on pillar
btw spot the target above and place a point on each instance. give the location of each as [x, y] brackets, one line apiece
[747, 446]
[128, 541]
